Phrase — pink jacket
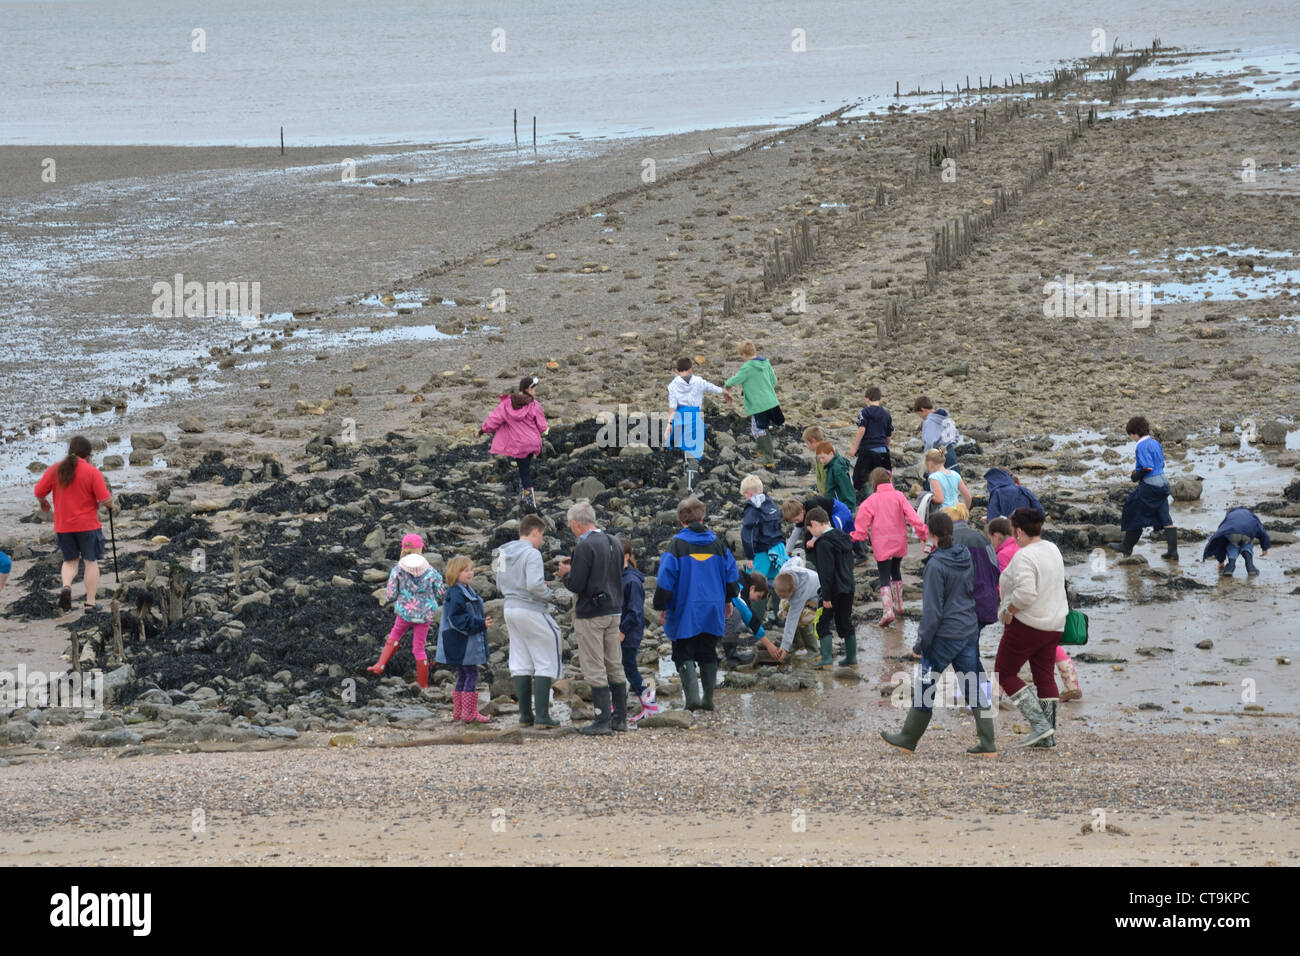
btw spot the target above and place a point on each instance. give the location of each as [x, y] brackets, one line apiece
[884, 517]
[1006, 551]
[516, 429]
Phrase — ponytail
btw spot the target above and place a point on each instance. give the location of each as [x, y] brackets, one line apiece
[940, 526]
[78, 449]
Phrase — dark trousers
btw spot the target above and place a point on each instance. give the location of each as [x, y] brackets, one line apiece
[629, 668]
[841, 610]
[1021, 643]
[467, 677]
[525, 472]
[890, 570]
[862, 468]
[702, 648]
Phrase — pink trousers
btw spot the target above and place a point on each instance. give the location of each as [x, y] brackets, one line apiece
[400, 625]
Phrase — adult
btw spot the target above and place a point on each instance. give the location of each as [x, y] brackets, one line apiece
[984, 563]
[937, 429]
[595, 576]
[697, 579]
[947, 487]
[1033, 607]
[1006, 494]
[1147, 505]
[79, 492]
[517, 425]
[758, 386]
[948, 635]
[535, 645]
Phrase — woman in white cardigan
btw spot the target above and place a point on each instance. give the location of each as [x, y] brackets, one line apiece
[1032, 608]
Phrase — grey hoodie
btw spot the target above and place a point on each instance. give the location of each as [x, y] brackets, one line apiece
[806, 586]
[521, 577]
[947, 599]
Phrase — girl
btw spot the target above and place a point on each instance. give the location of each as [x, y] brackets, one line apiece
[631, 627]
[1004, 542]
[517, 425]
[1148, 504]
[758, 383]
[418, 588]
[462, 638]
[884, 518]
[946, 486]
[79, 492]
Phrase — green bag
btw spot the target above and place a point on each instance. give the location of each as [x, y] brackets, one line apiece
[1076, 628]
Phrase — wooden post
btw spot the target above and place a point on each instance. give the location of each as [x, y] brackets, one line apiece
[281, 140]
[234, 558]
[116, 608]
[76, 653]
[895, 89]
[177, 588]
[534, 134]
[516, 128]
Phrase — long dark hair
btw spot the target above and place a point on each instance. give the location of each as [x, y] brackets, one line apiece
[940, 526]
[78, 448]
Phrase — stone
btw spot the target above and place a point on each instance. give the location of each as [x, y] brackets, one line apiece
[257, 597]
[191, 424]
[255, 663]
[588, 487]
[147, 441]
[1205, 645]
[344, 740]
[1272, 433]
[374, 540]
[679, 719]
[115, 680]
[846, 673]
[409, 492]
[16, 732]
[112, 462]
[1185, 489]
[287, 733]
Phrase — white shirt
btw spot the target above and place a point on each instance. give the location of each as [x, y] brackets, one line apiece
[689, 393]
[1034, 582]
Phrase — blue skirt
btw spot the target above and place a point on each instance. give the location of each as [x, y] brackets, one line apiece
[1147, 507]
[688, 430]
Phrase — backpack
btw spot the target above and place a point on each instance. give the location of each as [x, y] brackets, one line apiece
[986, 586]
[948, 435]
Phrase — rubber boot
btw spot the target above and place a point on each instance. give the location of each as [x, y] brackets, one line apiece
[524, 694]
[1228, 568]
[690, 684]
[619, 708]
[457, 704]
[600, 701]
[469, 709]
[708, 683]
[850, 651]
[384, 655]
[768, 455]
[827, 659]
[1049, 707]
[1251, 570]
[529, 499]
[542, 703]
[1171, 544]
[1070, 678]
[896, 591]
[984, 728]
[1040, 725]
[914, 725]
[1130, 540]
[422, 674]
[886, 601]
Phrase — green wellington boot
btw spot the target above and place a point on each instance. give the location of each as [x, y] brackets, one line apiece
[765, 450]
[1040, 725]
[708, 682]
[690, 684]
[984, 727]
[524, 694]
[542, 703]
[914, 725]
[827, 659]
[850, 651]
[1049, 708]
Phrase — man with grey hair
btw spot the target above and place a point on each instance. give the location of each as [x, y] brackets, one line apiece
[595, 576]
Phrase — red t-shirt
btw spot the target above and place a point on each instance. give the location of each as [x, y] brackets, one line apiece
[76, 507]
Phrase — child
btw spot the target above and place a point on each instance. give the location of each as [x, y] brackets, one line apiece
[839, 484]
[1006, 494]
[798, 587]
[760, 530]
[794, 510]
[534, 636]
[417, 588]
[871, 446]
[1236, 535]
[812, 437]
[938, 430]
[462, 638]
[835, 570]
[685, 397]
[758, 384]
[1148, 504]
[884, 518]
[946, 486]
[517, 425]
[746, 619]
[631, 628]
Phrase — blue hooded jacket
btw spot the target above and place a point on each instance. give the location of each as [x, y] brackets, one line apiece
[947, 599]
[1236, 521]
[697, 577]
[761, 528]
[1005, 496]
[632, 620]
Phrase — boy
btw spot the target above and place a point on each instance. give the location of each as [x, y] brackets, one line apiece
[746, 620]
[812, 437]
[1236, 535]
[685, 396]
[871, 446]
[838, 483]
[835, 572]
[799, 587]
[793, 510]
[535, 644]
[1148, 504]
[697, 579]
[937, 430]
[760, 531]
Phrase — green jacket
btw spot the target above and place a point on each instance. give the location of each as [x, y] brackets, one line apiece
[759, 382]
[839, 482]
[819, 472]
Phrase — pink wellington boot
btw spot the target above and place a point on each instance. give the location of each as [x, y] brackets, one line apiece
[384, 655]
[896, 588]
[885, 599]
[1070, 678]
[457, 704]
[470, 713]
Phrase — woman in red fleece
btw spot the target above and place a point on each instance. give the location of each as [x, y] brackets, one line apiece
[79, 491]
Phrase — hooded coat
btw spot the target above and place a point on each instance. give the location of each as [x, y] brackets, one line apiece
[947, 600]
[416, 588]
[1005, 496]
[632, 619]
[697, 577]
[1236, 521]
[761, 528]
[521, 577]
[516, 426]
[462, 634]
[884, 517]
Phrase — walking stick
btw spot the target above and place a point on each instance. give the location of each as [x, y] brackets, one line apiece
[112, 535]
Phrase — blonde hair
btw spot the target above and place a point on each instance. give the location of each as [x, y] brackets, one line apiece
[747, 349]
[812, 434]
[935, 454]
[751, 483]
[454, 568]
[784, 584]
[957, 512]
[791, 508]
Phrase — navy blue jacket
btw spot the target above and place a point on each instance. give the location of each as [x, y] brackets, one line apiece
[632, 620]
[761, 528]
[1237, 521]
[462, 634]
[697, 577]
[1005, 496]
